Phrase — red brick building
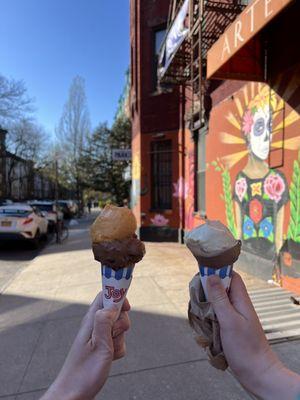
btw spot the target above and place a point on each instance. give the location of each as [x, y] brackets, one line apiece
[236, 75]
[156, 134]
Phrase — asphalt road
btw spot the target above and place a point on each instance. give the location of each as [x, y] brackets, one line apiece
[14, 257]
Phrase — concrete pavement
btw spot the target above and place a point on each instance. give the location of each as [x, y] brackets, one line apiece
[40, 312]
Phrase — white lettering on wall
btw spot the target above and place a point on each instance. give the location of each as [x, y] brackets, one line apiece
[237, 33]
[226, 47]
[268, 12]
[251, 10]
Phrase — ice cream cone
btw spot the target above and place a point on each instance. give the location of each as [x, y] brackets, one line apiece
[115, 284]
[118, 249]
[215, 250]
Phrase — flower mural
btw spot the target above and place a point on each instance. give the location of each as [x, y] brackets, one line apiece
[255, 210]
[256, 205]
[266, 228]
[247, 122]
[241, 188]
[274, 187]
[159, 220]
[181, 188]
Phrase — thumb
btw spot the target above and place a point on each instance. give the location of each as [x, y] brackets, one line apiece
[218, 297]
[102, 330]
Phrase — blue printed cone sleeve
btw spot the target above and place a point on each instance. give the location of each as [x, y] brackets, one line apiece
[225, 274]
[115, 285]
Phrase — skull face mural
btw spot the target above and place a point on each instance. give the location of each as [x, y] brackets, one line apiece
[260, 134]
[255, 202]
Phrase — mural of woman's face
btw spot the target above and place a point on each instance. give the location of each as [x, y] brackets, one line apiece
[261, 133]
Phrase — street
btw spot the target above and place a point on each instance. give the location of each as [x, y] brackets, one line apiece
[43, 304]
[14, 257]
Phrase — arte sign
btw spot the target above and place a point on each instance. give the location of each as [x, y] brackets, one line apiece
[255, 16]
[121, 154]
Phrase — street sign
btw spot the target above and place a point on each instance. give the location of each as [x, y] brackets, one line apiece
[121, 154]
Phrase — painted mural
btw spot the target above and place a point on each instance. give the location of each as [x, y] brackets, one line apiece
[262, 208]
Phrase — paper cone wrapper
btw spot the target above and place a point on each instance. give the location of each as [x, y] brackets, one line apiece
[225, 274]
[115, 285]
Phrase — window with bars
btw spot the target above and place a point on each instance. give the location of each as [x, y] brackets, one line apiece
[161, 175]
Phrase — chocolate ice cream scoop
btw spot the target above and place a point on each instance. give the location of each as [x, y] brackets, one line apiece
[119, 253]
[213, 245]
[115, 243]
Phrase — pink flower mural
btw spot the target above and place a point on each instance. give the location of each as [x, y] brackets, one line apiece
[181, 188]
[274, 187]
[247, 122]
[241, 188]
[159, 220]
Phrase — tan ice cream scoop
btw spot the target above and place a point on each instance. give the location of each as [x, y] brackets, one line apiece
[114, 223]
[115, 243]
[213, 245]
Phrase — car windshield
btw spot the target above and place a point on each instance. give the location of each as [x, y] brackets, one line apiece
[11, 212]
[43, 207]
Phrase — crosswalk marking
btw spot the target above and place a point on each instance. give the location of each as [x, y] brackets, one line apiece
[279, 317]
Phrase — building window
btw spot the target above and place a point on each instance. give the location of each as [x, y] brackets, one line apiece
[161, 175]
[200, 171]
[158, 38]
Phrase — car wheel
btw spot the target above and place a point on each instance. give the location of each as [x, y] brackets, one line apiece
[36, 240]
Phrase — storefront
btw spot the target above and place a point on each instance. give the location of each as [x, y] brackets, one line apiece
[254, 138]
[242, 164]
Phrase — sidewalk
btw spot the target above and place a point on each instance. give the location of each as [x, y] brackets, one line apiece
[42, 308]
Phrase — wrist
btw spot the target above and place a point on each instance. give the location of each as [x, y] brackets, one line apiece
[278, 383]
[58, 391]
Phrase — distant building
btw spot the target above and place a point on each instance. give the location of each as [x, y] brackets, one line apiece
[19, 180]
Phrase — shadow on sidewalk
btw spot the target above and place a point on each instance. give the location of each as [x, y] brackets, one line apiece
[36, 334]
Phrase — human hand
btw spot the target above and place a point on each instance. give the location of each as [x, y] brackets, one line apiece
[100, 340]
[245, 346]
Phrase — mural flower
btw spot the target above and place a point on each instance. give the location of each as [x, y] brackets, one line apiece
[241, 188]
[247, 122]
[274, 186]
[159, 220]
[181, 188]
[255, 210]
[267, 227]
[248, 228]
[256, 188]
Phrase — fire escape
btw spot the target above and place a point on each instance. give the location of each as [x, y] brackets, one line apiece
[208, 19]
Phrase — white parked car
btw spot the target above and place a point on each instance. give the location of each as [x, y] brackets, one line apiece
[50, 211]
[21, 221]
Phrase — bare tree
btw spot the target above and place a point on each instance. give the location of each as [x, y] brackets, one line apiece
[14, 101]
[73, 130]
[25, 144]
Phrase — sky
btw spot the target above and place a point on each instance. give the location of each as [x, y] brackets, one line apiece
[46, 43]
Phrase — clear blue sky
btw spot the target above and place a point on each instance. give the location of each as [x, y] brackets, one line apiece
[47, 42]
